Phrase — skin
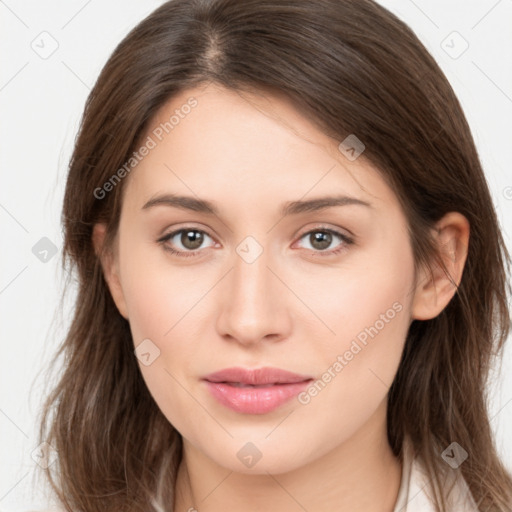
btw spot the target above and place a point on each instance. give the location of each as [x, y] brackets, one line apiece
[292, 308]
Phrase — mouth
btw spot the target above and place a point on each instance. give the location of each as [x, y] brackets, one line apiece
[256, 377]
[258, 391]
[243, 385]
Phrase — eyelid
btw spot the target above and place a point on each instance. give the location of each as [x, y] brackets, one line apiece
[174, 232]
[325, 227]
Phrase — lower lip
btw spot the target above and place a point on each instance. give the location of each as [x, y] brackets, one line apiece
[250, 400]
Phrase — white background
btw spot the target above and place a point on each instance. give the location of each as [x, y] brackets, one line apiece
[41, 101]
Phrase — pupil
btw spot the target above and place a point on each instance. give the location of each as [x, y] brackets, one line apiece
[191, 239]
[322, 239]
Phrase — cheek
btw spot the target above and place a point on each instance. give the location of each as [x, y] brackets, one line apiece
[366, 291]
[367, 306]
[160, 301]
[157, 293]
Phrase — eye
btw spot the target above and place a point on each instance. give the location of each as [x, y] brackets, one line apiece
[322, 238]
[187, 240]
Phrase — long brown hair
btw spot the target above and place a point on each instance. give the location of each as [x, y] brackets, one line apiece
[351, 67]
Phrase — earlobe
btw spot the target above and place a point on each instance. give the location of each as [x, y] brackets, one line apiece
[434, 291]
[109, 264]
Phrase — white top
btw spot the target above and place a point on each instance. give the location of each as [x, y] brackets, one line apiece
[413, 494]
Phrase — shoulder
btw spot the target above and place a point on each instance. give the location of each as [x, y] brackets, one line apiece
[415, 492]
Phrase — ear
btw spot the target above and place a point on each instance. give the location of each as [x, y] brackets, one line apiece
[110, 265]
[435, 291]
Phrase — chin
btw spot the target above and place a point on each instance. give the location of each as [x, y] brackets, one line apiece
[260, 457]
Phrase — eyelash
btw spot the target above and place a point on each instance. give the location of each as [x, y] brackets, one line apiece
[185, 254]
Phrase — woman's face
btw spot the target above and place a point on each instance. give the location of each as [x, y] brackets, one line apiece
[269, 279]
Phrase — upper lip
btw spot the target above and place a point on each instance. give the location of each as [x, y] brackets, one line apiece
[257, 376]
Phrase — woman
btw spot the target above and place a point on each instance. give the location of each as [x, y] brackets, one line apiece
[291, 276]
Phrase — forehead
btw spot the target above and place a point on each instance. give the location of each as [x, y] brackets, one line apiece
[256, 148]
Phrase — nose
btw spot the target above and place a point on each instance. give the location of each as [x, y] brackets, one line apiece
[254, 303]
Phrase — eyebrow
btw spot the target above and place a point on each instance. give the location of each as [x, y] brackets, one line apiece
[288, 208]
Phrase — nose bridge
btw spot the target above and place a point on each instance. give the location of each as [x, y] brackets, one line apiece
[251, 279]
[253, 307]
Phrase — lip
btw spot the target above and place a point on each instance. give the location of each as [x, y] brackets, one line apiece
[236, 388]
